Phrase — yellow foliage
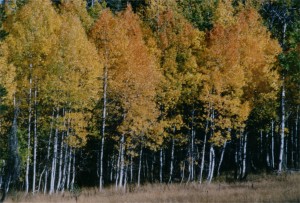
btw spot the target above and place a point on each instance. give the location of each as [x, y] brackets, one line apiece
[239, 68]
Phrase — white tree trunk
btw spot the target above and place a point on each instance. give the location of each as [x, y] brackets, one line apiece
[272, 144]
[74, 170]
[172, 160]
[64, 173]
[281, 152]
[48, 154]
[40, 180]
[203, 150]
[244, 155]
[35, 142]
[69, 168]
[103, 126]
[53, 167]
[60, 163]
[122, 162]
[192, 151]
[28, 134]
[211, 164]
[54, 160]
[118, 166]
[222, 157]
[140, 166]
[61, 156]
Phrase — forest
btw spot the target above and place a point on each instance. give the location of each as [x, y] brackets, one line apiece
[131, 92]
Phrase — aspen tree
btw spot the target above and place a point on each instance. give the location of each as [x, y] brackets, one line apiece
[37, 34]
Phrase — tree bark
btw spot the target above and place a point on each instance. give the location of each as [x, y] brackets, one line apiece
[140, 166]
[28, 133]
[35, 141]
[54, 159]
[209, 116]
[221, 158]
[244, 156]
[48, 154]
[172, 160]
[192, 153]
[61, 157]
[73, 170]
[103, 126]
[122, 162]
[69, 168]
[160, 165]
[211, 163]
[281, 152]
[203, 153]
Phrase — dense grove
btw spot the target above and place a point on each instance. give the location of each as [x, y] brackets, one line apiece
[131, 92]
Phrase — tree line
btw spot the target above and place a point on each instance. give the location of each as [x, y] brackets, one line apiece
[96, 93]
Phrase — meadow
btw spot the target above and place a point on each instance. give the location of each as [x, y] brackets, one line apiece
[263, 188]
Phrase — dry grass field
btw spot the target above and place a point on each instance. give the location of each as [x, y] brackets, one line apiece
[281, 188]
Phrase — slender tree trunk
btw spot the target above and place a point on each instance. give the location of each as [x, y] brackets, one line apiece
[35, 141]
[281, 152]
[60, 162]
[53, 168]
[54, 159]
[192, 153]
[131, 169]
[193, 156]
[140, 166]
[244, 155]
[112, 167]
[62, 186]
[28, 134]
[161, 165]
[118, 166]
[122, 162]
[48, 154]
[202, 159]
[40, 180]
[74, 170]
[125, 179]
[267, 151]
[221, 158]
[203, 153]
[172, 160]
[69, 168]
[103, 126]
[211, 164]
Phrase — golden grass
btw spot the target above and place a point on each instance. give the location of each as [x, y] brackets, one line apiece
[282, 188]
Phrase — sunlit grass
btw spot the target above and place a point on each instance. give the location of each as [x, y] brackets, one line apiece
[275, 188]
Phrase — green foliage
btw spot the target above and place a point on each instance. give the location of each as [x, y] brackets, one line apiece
[200, 13]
